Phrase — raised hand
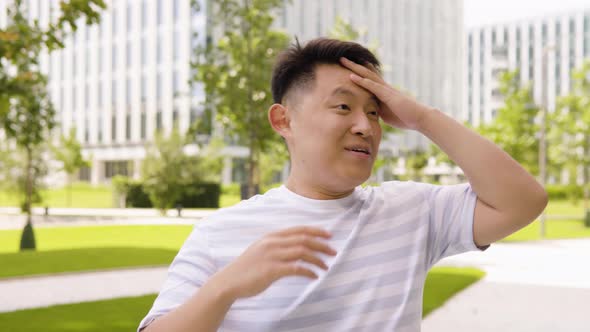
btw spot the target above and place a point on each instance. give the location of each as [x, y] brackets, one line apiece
[397, 109]
[275, 256]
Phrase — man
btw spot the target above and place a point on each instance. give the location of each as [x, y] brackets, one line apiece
[321, 253]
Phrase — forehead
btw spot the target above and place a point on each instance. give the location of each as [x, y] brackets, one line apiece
[332, 80]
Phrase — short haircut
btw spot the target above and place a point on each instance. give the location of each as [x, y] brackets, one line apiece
[295, 67]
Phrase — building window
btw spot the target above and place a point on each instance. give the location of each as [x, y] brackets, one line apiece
[86, 131]
[129, 54]
[128, 91]
[158, 87]
[175, 83]
[114, 20]
[113, 125]
[114, 58]
[99, 101]
[100, 60]
[128, 125]
[74, 71]
[99, 127]
[158, 120]
[176, 9]
[144, 14]
[544, 33]
[86, 96]
[159, 50]
[175, 48]
[129, 18]
[112, 168]
[87, 64]
[143, 84]
[114, 91]
[159, 12]
[143, 123]
[143, 52]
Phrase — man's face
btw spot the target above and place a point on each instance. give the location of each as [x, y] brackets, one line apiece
[335, 132]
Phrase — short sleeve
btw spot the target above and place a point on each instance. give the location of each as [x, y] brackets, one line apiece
[451, 212]
[191, 268]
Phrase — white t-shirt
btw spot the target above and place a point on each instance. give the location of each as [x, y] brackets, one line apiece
[387, 238]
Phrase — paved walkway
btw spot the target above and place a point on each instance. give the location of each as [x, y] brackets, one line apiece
[541, 287]
[11, 218]
[35, 292]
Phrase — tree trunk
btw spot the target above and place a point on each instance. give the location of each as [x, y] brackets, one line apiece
[69, 191]
[253, 172]
[585, 172]
[27, 240]
[29, 186]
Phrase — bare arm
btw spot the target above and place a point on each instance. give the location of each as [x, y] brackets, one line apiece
[204, 311]
[509, 198]
[274, 256]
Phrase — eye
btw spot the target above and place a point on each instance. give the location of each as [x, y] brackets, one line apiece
[374, 114]
[343, 107]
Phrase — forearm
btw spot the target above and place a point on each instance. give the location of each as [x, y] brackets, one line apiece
[203, 312]
[497, 179]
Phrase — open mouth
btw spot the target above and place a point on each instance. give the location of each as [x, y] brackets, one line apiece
[360, 150]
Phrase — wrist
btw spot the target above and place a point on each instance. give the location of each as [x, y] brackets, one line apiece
[425, 118]
[221, 290]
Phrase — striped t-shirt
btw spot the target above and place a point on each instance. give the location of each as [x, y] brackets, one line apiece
[387, 238]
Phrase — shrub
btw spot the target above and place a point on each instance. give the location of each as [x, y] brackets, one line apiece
[564, 191]
[200, 195]
[27, 240]
[194, 195]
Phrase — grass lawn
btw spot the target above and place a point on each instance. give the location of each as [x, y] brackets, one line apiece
[444, 282]
[565, 208]
[111, 315]
[554, 229]
[83, 259]
[125, 314]
[82, 195]
[64, 249]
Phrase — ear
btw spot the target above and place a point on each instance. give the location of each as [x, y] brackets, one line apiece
[279, 119]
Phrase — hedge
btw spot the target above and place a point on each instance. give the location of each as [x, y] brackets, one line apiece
[195, 195]
[564, 191]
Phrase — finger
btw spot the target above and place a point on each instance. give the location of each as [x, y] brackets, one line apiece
[295, 269]
[379, 90]
[301, 253]
[361, 70]
[312, 231]
[309, 242]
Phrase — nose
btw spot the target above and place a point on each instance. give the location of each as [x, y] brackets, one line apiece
[362, 125]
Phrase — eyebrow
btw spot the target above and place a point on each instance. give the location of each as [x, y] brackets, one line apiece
[344, 91]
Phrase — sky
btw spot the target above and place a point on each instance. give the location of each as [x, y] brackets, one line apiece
[482, 12]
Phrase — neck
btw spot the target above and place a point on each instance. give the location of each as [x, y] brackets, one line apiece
[309, 189]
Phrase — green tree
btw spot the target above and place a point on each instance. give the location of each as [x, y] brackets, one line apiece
[572, 124]
[416, 161]
[69, 153]
[236, 71]
[26, 113]
[167, 171]
[514, 128]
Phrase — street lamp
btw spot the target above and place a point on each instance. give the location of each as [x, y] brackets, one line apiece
[543, 129]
